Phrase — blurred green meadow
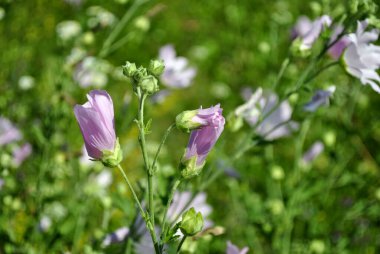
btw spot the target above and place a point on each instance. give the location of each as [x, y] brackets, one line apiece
[56, 202]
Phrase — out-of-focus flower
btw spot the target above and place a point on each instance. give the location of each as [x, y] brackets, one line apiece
[160, 96]
[96, 121]
[104, 179]
[68, 30]
[202, 140]
[277, 122]
[321, 97]
[91, 72]
[2, 13]
[8, 132]
[26, 82]
[76, 55]
[2, 182]
[315, 150]
[337, 49]
[74, 2]
[361, 58]
[177, 72]
[306, 32]
[45, 223]
[21, 153]
[100, 17]
[85, 159]
[117, 236]
[233, 249]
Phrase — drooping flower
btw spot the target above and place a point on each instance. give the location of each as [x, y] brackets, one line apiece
[362, 58]
[277, 117]
[178, 73]
[8, 132]
[21, 153]
[202, 140]
[233, 249]
[336, 50]
[321, 97]
[96, 121]
[315, 150]
[306, 32]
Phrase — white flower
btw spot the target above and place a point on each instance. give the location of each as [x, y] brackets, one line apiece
[177, 73]
[91, 71]
[45, 223]
[26, 82]
[100, 17]
[362, 58]
[68, 30]
[321, 97]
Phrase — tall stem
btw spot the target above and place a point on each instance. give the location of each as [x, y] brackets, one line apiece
[170, 199]
[171, 127]
[180, 244]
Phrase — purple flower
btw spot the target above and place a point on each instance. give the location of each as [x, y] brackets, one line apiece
[321, 97]
[8, 132]
[2, 182]
[21, 153]
[177, 73]
[362, 59]
[315, 150]
[202, 140]
[337, 49]
[308, 32]
[96, 122]
[233, 249]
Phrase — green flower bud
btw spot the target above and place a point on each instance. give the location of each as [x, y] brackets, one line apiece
[298, 49]
[140, 73]
[149, 84]
[192, 222]
[112, 158]
[156, 67]
[189, 167]
[185, 122]
[129, 69]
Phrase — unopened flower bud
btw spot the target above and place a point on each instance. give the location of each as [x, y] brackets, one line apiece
[149, 84]
[140, 73]
[186, 121]
[129, 69]
[189, 167]
[156, 67]
[192, 222]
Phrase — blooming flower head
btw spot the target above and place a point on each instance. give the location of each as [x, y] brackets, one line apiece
[361, 58]
[321, 97]
[277, 117]
[336, 50]
[8, 132]
[68, 30]
[202, 140]
[233, 249]
[96, 121]
[177, 73]
[21, 153]
[308, 32]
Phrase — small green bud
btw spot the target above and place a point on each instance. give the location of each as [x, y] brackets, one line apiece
[156, 67]
[112, 158]
[298, 49]
[129, 69]
[189, 167]
[192, 222]
[149, 84]
[140, 73]
[185, 122]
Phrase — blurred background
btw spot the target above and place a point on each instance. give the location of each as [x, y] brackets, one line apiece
[270, 198]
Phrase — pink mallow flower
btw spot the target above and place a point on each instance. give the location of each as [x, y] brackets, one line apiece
[96, 122]
[21, 153]
[178, 73]
[362, 58]
[336, 50]
[233, 249]
[209, 124]
[8, 132]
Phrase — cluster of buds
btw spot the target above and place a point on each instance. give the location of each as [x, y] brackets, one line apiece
[191, 223]
[145, 79]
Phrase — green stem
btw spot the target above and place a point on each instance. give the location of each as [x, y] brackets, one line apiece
[180, 244]
[171, 127]
[170, 199]
[143, 213]
[315, 74]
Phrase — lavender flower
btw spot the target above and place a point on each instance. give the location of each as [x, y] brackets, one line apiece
[8, 132]
[315, 150]
[321, 97]
[276, 122]
[21, 153]
[91, 71]
[117, 236]
[308, 32]
[177, 73]
[362, 59]
[202, 140]
[337, 49]
[96, 121]
[233, 249]
[2, 182]
[45, 223]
